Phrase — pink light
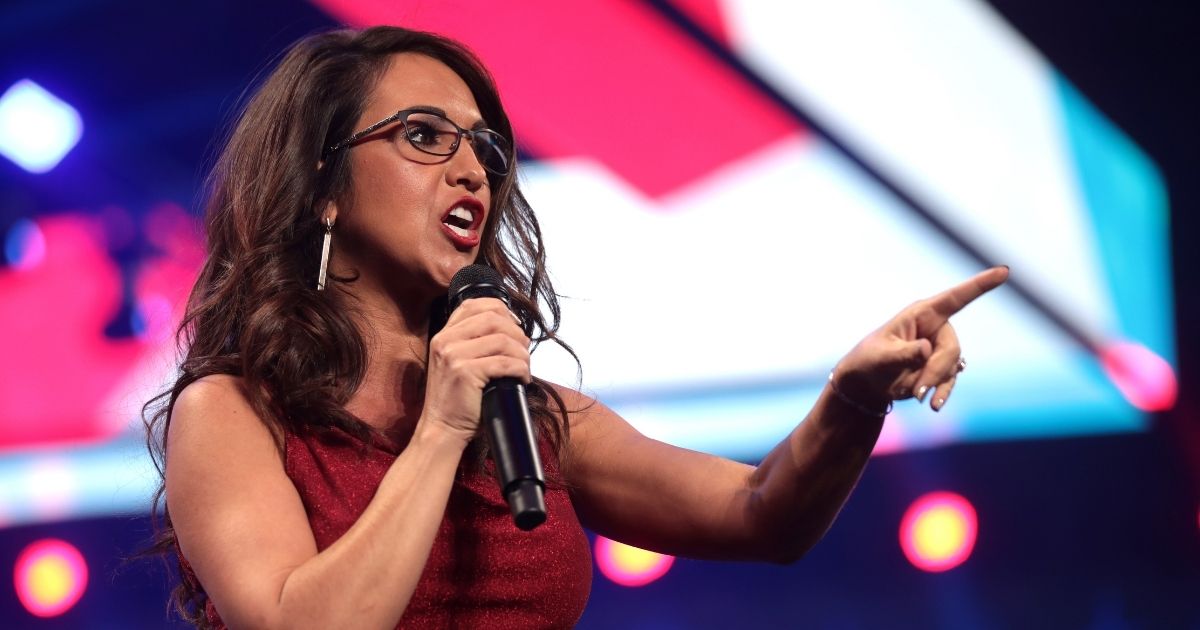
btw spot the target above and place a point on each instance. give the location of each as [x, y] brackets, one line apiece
[938, 531]
[894, 437]
[708, 14]
[1145, 379]
[170, 228]
[53, 318]
[50, 577]
[60, 307]
[630, 566]
[655, 60]
[155, 318]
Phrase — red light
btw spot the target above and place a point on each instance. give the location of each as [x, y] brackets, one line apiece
[1145, 379]
[938, 531]
[630, 566]
[50, 577]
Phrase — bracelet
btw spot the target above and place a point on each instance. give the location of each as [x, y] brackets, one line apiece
[854, 403]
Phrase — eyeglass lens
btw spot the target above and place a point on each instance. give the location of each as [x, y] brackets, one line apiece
[435, 135]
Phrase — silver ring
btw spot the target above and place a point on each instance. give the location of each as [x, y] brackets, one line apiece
[962, 364]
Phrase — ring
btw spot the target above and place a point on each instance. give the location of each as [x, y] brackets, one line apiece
[962, 364]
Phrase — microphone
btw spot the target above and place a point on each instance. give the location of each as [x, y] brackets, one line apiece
[505, 414]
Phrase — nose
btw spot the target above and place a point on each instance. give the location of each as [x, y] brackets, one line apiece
[464, 167]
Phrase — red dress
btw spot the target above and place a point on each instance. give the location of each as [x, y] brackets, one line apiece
[482, 571]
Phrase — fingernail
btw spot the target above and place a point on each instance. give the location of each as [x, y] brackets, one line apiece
[937, 404]
[921, 392]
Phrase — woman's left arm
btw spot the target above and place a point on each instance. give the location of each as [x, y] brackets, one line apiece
[656, 496]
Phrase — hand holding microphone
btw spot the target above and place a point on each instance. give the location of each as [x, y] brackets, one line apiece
[478, 364]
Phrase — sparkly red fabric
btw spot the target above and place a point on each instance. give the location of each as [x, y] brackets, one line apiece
[482, 570]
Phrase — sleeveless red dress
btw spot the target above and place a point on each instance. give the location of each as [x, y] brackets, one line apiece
[482, 571]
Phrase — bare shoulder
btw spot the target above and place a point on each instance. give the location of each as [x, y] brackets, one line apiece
[574, 400]
[215, 392]
[599, 435]
[214, 442]
[584, 412]
[215, 410]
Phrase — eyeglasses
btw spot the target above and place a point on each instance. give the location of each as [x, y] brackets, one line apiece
[433, 134]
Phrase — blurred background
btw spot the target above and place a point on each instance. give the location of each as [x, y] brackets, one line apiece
[733, 193]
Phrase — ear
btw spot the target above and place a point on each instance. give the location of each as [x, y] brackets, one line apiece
[329, 214]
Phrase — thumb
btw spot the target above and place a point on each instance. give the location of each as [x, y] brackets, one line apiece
[914, 353]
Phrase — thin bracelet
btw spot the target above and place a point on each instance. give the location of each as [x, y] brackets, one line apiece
[854, 403]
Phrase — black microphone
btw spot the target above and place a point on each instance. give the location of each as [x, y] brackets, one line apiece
[505, 414]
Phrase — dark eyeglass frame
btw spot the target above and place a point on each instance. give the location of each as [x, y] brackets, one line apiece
[498, 140]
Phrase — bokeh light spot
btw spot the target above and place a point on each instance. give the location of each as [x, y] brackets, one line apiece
[37, 129]
[630, 566]
[1145, 379]
[938, 531]
[50, 577]
[24, 245]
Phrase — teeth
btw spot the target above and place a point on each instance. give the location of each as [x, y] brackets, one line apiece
[459, 231]
[462, 213]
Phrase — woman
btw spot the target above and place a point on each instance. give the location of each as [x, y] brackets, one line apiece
[319, 453]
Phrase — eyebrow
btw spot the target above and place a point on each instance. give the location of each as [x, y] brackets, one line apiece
[430, 109]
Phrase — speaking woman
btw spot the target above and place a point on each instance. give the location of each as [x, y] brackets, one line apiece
[321, 467]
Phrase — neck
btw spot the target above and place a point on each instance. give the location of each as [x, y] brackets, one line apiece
[395, 331]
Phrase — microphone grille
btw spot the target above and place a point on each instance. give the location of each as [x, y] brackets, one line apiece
[474, 281]
[473, 274]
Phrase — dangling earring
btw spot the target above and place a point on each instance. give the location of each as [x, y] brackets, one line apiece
[325, 253]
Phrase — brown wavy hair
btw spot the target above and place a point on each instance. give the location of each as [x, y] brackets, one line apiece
[254, 311]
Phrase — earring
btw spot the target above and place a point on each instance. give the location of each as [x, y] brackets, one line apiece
[325, 253]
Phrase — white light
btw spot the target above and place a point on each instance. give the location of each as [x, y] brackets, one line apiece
[37, 129]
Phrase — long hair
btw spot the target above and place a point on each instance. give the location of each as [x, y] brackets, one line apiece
[254, 311]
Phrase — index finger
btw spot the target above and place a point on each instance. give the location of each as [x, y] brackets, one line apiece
[956, 298]
[472, 306]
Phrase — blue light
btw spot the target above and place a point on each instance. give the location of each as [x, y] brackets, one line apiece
[37, 129]
[24, 245]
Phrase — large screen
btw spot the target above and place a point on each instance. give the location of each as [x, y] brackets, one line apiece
[732, 195]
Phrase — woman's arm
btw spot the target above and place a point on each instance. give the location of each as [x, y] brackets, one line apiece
[241, 523]
[656, 496]
[242, 526]
[672, 500]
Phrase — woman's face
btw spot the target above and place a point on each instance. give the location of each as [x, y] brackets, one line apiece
[398, 231]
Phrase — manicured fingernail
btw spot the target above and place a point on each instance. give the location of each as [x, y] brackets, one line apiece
[938, 404]
[921, 392]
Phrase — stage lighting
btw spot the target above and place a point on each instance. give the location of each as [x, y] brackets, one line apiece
[50, 577]
[1145, 379]
[37, 129]
[938, 531]
[630, 566]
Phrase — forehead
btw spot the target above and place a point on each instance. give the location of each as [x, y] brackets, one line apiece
[414, 79]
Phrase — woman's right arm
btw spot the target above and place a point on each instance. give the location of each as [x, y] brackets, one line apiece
[242, 526]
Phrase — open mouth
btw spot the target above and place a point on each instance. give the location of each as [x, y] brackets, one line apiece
[461, 221]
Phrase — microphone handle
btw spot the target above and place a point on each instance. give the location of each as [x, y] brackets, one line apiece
[505, 417]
